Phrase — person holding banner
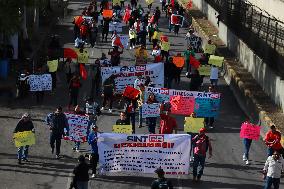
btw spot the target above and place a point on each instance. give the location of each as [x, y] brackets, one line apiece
[209, 121]
[202, 144]
[25, 124]
[151, 121]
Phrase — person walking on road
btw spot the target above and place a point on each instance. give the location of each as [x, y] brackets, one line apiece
[272, 170]
[25, 124]
[272, 140]
[202, 144]
[161, 182]
[123, 119]
[57, 121]
[168, 123]
[81, 175]
[92, 140]
[74, 87]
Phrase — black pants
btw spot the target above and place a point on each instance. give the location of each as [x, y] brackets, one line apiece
[39, 96]
[104, 35]
[68, 77]
[165, 54]
[55, 138]
[209, 121]
[109, 98]
[132, 42]
[73, 98]
[94, 162]
[121, 4]
[53, 77]
[155, 42]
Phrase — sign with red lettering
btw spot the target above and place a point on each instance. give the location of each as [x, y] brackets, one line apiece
[131, 93]
[250, 131]
[78, 127]
[182, 105]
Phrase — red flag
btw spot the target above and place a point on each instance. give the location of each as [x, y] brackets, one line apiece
[195, 63]
[126, 15]
[68, 52]
[83, 71]
[131, 92]
[118, 43]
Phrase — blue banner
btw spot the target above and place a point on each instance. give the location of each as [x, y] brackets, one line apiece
[207, 107]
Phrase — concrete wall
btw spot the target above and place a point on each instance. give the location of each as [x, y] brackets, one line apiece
[273, 7]
[270, 82]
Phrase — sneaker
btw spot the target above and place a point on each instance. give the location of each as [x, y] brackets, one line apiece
[25, 159]
[211, 127]
[191, 159]
[109, 110]
[19, 161]
[194, 179]
[73, 148]
[140, 126]
[94, 175]
[244, 158]
[247, 162]
[130, 48]
[77, 150]
[102, 108]
[57, 156]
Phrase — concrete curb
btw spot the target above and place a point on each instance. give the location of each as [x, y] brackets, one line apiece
[243, 95]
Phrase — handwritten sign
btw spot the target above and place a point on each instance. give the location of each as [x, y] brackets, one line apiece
[178, 61]
[144, 153]
[207, 107]
[150, 110]
[250, 131]
[126, 129]
[210, 49]
[193, 125]
[165, 46]
[115, 26]
[41, 82]
[194, 41]
[131, 92]
[78, 127]
[216, 60]
[24, 138]
[52, 65]
[83, 57]
[182, 105]
[177, 19]
[107, 13]
[204, 70]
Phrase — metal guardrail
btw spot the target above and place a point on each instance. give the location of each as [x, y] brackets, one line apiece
[262, 32]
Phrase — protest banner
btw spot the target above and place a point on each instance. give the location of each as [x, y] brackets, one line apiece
[177, 19]
[182, 105]
[207, 107]
[178, 61]
[144, 153]
[52, 65]
[107, 13]
[124, 39]
[115, 26]
[194, 41]
[210, 49]
[216, 60]
[250, 131]
[78, 127]
[131, 92]
[126, 75]
[150, 110]
[83, 57]
[41, 82]
[193, 125]
[161, 94]
[105, 63]
[204, 70]
[126, 129]
[24, 138]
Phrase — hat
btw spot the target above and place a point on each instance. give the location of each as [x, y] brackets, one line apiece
[202, 130]
[159, 171]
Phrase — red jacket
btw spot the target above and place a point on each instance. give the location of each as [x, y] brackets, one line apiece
[167, 124]
[275, 138]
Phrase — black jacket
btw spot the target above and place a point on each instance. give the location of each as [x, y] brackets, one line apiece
[24, 126]
[81, 172]
[57, 123]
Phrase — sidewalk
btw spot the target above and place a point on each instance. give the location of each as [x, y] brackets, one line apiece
[249, 94]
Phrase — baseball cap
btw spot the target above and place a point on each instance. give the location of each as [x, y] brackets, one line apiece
[202, 130]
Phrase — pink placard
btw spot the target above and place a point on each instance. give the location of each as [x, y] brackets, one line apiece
[182, 105]
[250, 131]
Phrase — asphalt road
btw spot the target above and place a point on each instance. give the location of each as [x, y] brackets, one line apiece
[224, 170]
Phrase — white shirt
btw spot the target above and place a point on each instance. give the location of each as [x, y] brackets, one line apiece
[137, 82]
[214, 73]
[274, 167]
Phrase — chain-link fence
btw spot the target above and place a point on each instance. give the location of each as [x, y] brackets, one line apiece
[263, 33]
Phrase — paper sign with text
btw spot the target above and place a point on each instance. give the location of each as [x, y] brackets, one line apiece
[204, 70]
[24, 138]
[182, 105]
[126, 129]
[150, 110]
[41, 82]
[115, 26]
[216, 60]
[207, 107]
[193, 125]
[78, 127]
[210, 49]
[250, 131]
[144, 153]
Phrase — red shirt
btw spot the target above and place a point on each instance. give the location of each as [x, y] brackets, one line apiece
[167, 124]
[273, 137]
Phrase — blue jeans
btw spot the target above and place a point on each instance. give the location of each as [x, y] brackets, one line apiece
[151, 124]
[269, 151]
[269, 181]
[131, 118]
[23, 152]
[199, 161]
[247, 144]
[82, 185]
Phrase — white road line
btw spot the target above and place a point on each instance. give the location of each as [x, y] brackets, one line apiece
[69, 180]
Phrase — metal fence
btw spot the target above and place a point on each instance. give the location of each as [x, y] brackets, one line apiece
[262, 32]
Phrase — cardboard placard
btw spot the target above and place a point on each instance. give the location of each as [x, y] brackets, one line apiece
[250, 131]
[126, 129]
[193, 125]
[216, 60]
[24, 138]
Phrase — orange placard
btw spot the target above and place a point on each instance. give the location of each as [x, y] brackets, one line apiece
[107, 13]
[178, 61]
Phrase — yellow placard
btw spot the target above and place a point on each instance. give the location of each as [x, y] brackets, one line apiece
[193, 125]
[52, 65]
[204, 70]
[126, 129]
[149, 1]
[24, 138]
[114, 2]
[165, 46]
[210, 49]
[216, 60]
[83, 58]
[157, 35]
